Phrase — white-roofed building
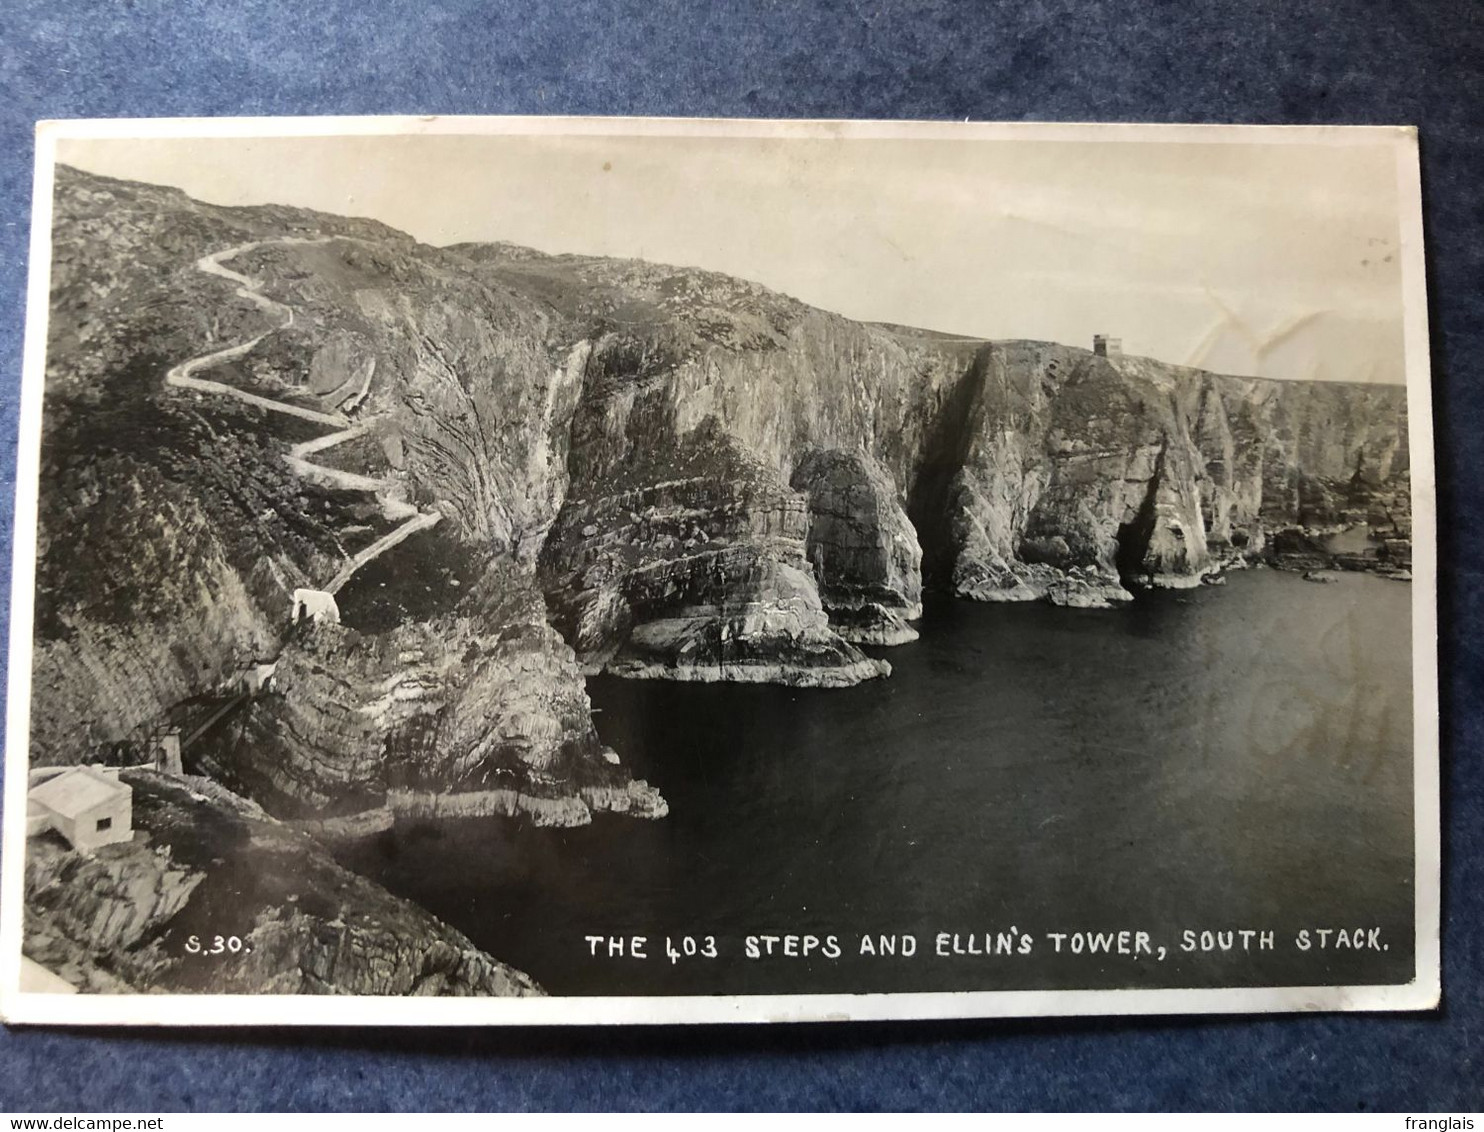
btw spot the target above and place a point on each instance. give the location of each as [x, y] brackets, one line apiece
[86, 805]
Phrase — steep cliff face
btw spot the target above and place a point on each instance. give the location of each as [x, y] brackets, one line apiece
[719, 390]
[687, 475]
[471, 388]
[206, 863]
[1021, 470]
[484, 702]
[379, 387]
[509, 470]
[1082, 474]
[863, 548]
[689, 562]
[170, 540]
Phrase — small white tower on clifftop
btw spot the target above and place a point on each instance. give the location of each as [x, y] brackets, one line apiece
[1105, 347]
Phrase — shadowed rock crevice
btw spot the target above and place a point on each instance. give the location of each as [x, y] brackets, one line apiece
[1136, 534]
[946, 447]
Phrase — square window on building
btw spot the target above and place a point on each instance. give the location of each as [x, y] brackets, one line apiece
[104, 823]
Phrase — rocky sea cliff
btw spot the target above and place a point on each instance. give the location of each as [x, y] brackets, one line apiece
[654, 472]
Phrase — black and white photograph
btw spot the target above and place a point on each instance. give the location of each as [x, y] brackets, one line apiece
[647, 570]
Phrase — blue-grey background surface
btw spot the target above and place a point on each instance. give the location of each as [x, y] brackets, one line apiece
[1342, 61]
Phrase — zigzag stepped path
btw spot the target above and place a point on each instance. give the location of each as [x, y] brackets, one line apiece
[386, 490]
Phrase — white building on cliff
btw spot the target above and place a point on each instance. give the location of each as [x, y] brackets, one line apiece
[86, 805]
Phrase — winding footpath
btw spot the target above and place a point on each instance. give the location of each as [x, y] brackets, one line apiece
[386, 490]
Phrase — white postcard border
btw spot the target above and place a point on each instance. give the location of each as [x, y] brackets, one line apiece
[1423, 993]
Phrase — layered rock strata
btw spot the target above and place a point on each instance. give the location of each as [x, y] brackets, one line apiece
[177, 524]
[651, 471]
[687, 475]
[484, 705]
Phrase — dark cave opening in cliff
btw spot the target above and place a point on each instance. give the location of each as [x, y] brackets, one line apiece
[944, 453]
[1135, 535]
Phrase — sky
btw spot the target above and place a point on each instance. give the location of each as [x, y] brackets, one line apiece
[1279, 260]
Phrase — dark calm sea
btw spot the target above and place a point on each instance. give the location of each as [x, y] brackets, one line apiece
[1232, 758]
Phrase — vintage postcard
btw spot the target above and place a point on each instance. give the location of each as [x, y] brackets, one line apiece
[621, 570]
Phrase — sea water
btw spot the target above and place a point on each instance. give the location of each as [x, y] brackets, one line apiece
[1192, 766]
